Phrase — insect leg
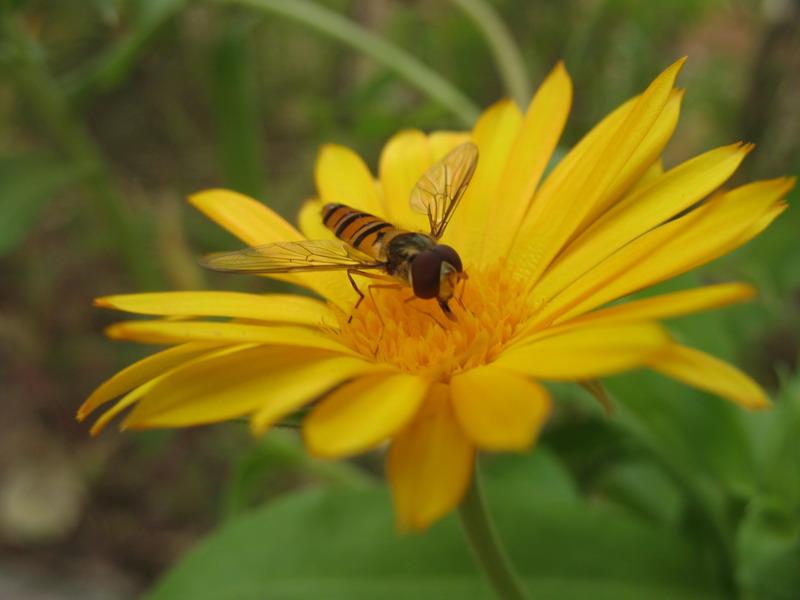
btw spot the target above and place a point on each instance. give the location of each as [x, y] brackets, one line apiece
[351, 272]
[460, 298]
[384, 286]
[355, 287]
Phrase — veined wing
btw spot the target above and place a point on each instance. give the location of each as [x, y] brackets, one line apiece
[291, 257]
[440, 189]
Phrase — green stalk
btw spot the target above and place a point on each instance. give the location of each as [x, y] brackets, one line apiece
[486, 544]
[506, 53]
[146, 20]
[37, 85]
[346, 31]
[236, 106]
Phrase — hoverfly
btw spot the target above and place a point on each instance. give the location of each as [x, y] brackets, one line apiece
[366, 242]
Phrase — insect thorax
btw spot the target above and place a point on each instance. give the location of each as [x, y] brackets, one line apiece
[402, 249]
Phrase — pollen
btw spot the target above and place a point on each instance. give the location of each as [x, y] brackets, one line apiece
[393, 326]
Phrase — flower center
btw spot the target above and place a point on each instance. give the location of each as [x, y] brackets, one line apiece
[393, 326]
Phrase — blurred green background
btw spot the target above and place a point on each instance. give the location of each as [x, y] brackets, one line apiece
[113, 111]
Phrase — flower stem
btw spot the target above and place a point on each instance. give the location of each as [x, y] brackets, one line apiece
[334, 25]
[486, 545]
[501, 43]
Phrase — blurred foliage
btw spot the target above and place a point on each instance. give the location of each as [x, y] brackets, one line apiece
[341, 544]
[112, 111]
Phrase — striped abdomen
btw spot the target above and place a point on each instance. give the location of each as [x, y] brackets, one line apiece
[363, 231]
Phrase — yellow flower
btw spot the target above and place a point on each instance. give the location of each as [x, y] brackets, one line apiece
[544, 255]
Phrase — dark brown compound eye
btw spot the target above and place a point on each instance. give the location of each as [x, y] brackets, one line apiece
[449, 255]
[425, 272]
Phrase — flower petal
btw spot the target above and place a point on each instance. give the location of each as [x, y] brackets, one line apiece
[642, 158]
[494, 134]
[430, 464]
[310, 221]
[307, 381]
[261, 379]
[139, 392]
[443, 142]
[665, 197]
[343, 178]
[251, 221]
[530, 154]
[177, 332]
[653, 172]
[256, 224]
[142, 371]
[554, 219]
[405, 157]
[285, 308]
[581, 156]
[585, 353]
[709, 373]
[753, 229]
[499, 410]
[363, 413]
[723, 223]
[666, 306]
[121, 405]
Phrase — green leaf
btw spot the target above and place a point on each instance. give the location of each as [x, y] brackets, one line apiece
[643, 489]
[341, 544]
[779, 576]
[273, 455]
[526, 476]
[768, 539]
[775, 437]
[699, 435]
[27, 184]
[769, 552]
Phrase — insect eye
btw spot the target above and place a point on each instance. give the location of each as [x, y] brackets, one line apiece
[425, 274]
[449, 255]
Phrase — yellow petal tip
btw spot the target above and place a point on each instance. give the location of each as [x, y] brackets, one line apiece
[675, 68]
[761, 405]
[257, 429]
[103, 302]
[748, 292]
[560, 68]
[115, 331]
[317, 452]
[502, 103]
[327, 148]
[200, 199]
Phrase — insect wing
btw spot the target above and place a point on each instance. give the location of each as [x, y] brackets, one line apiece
[291, 257]
[440, 189]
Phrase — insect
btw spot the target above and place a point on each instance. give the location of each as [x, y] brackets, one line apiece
[367, 243]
